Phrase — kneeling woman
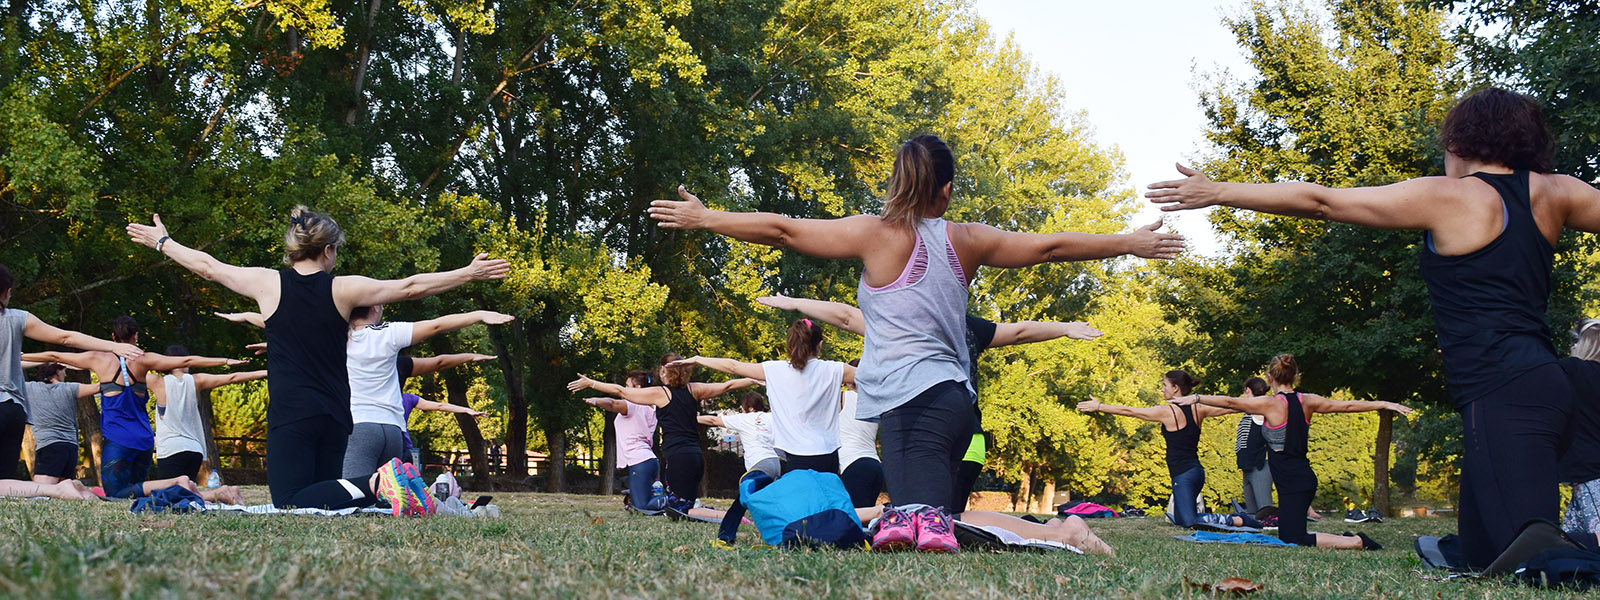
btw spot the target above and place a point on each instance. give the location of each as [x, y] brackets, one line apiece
[1180, 425]
[1288, 429]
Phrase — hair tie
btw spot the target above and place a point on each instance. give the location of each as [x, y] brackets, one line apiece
[301, 221]
[807, 322]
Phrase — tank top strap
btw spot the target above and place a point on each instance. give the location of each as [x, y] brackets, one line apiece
[122, 371]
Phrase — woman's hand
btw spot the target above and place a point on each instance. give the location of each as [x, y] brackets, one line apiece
[685, 213]
[686, 362]
[1090, 405]
[1149, 244]
[128, 351]
[778, 301]
[490, 317]
[260, 348]
[482, 268]
[1080, 330]
[148, 235]
[1195, 190]
[1189, 400]
[580, 384]
[234, 362]
[1404, 410]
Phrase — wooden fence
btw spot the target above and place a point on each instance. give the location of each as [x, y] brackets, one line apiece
[250, 453]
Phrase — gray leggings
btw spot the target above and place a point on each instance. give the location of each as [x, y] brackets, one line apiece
[371, 445]
[1257, 489]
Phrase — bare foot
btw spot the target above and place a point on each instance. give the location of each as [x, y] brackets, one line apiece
[72, 489]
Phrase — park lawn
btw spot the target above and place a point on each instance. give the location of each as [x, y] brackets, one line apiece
[567, 546]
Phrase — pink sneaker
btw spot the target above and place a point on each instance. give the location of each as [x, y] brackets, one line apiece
[896, 530]
[935, 531]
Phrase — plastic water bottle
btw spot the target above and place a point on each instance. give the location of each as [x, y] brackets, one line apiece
[215, 480]
[657, 489]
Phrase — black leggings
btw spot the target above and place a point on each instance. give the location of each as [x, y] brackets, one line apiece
[1511, 440]
[180, 463]
[336, 495]
[966, 479]
[923, 442]
[684, 468]
[1297, 485]
[13, 420]
[863, 479]
[302, 453]
[821, 463]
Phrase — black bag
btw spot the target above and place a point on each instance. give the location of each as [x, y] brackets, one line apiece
[1573, 568]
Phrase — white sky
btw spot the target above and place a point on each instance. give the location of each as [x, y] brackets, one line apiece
[1132, 65]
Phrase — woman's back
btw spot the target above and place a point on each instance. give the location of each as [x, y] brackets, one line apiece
[306, 367]
[805, 402]
[915, 326]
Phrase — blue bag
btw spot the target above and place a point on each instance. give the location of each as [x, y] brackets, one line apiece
[804, 508]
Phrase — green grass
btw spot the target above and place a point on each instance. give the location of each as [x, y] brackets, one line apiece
[562, 546]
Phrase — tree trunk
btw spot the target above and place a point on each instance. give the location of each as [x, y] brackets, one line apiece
[1380, 463]
[1047, 500]
[1024, 495]
[456, 392]
[608, 456]
[557, 481]
[208, 419]
[89, 426]
[516, 404]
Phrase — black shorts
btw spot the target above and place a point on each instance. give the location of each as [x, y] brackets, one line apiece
[180, 463]
[57, 460]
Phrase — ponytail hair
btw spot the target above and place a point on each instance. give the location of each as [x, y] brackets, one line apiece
[804, 343]
[123, 329]
[5, 286]
[922, 167]
[309, 233]
[49, 370]
[1586, 340]
[1183, 380]
[674, 376]
[1257, 386]
[1282, 370]
[753, 402]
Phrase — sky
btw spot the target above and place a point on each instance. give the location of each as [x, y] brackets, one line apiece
[1132, 65]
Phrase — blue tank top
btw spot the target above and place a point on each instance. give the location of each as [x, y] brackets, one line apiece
[1489, 305]
[124, 412]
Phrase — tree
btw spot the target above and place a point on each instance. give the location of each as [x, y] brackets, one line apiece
[1350, 100]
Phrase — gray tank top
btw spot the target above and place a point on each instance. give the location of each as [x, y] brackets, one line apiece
[915, 327]
[12, 388]
[53, 412]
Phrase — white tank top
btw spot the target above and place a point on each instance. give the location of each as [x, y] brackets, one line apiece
[178, 427]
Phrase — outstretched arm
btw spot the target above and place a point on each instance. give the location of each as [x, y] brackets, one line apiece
[350, 291]
[611, 404]
[1154, 414]
[823, 238]
[207, 381]
[712, 420]
[1028, 332]
[1255, 405]
[725, 365]
[248, 318]
[651, 396]
[422, 330]
[86, 390]
[76, 360]
[703, 391]
[35, 329]
[255, 282]
[432, 406]
[1205, 411]
[842, 316]
[424, 366]
[1320, 404]
[161, 362]
[1423, 203]
[987, 245]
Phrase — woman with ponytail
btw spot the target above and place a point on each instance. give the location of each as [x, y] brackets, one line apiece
[307, 311]
[1180, 426]
[803, 391]
[1288, 432]
[913, 295]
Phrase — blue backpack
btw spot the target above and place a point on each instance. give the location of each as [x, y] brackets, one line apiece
[802, 509]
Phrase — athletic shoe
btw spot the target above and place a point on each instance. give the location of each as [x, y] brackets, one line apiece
[1356, 515]
[425, 505]
[896, 531]
[722, 545]
[1374, 516]
[935, 531]
[391, 490]
[1367, 543]
[1271, 521]
[1268, 511]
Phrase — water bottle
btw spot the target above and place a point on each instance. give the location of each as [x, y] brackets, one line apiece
[657, 490]
[215, 480]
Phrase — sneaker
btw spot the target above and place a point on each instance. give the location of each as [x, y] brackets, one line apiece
[391, 490]
[1356, 515]
[424, 504]
[1374, 516]
[1268, 511]
[895, 531]
[935, 531]
[1269, 522]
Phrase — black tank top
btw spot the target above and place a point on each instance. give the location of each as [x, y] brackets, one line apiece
[1183, 445]
[1296, 432]
[1489, 305]
[306, 336]
[679, 429]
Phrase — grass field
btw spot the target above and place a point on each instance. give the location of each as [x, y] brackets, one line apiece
[562, 546]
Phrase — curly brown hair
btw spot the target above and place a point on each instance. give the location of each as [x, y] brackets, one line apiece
[1501, 127]
[675, 376]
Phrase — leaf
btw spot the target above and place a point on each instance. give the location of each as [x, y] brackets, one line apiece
[597, 521]
[1235, 586]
